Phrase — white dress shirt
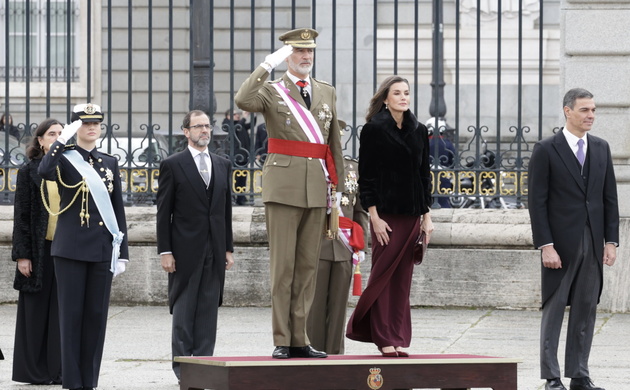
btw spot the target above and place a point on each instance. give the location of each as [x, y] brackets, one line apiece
[204, 155]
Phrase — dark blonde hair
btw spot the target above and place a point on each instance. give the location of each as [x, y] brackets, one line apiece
[34, 150]
[378, 100]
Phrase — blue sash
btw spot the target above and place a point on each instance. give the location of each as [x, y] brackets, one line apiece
[101, 199]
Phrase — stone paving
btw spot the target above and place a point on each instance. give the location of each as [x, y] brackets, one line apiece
[137, 347]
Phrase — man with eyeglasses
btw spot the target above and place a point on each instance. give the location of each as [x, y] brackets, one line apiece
[194, 237]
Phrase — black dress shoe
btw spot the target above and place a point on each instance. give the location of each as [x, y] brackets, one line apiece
[583, 384]
[307, 352]
[554, 384]
[281, 353]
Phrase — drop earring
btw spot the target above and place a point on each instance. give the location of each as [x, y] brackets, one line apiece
[387, 108]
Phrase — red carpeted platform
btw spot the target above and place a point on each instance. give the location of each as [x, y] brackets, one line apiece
[370, 372]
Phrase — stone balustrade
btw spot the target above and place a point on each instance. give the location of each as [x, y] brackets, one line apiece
[477, 258]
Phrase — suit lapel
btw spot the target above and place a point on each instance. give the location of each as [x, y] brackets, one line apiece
[568, 158]
[218, 172]
[595, 153]
[192, 174]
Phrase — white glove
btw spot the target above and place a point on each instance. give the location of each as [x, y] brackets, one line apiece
[274, 59]
[120, 266]
[69, 131]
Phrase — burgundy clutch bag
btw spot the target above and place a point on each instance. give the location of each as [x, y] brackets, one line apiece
[419, 248]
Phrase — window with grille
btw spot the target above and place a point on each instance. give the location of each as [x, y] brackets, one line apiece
[39, 39]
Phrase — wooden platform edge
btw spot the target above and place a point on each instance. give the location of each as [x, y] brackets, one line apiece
[343, 362]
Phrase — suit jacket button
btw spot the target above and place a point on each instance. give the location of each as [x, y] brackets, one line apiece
[100, 223]
[275, 163]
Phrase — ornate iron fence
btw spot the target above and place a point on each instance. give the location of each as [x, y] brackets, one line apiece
[149, 64]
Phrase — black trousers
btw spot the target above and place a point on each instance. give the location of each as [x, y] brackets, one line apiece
[83, 288]
[37, 352]
[582, 283]
[195, 313]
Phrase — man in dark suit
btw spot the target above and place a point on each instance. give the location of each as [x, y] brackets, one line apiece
[194, 237]
[575, 222]
[303, 164]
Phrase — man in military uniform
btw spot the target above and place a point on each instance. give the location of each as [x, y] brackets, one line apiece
[299, 176]
[327, 319]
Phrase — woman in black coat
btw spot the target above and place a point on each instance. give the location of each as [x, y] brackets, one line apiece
[395, 188]
[37, 352]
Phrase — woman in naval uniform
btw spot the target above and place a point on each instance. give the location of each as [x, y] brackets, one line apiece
[90, 245]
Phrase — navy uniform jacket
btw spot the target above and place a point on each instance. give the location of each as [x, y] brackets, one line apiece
[92, 241]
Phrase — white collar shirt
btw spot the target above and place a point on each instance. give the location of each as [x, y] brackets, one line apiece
[573, 141]
[295, 79]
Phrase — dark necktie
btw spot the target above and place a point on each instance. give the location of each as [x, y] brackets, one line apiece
[307, 98]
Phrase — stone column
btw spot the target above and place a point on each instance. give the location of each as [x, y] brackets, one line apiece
[595, 54]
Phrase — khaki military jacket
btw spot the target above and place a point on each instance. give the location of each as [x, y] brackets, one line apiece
[335, 250]
[291, 180]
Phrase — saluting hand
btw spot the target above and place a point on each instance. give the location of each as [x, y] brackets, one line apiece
[274, 59]
[69, 131]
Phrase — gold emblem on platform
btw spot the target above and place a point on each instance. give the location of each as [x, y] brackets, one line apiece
[375, 379]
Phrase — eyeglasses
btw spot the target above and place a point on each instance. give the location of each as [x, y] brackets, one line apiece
[199, 127]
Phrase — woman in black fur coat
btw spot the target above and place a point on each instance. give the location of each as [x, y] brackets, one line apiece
[37, 352]
[395, 188]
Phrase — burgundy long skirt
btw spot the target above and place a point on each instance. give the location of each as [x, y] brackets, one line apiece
[383, 313]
